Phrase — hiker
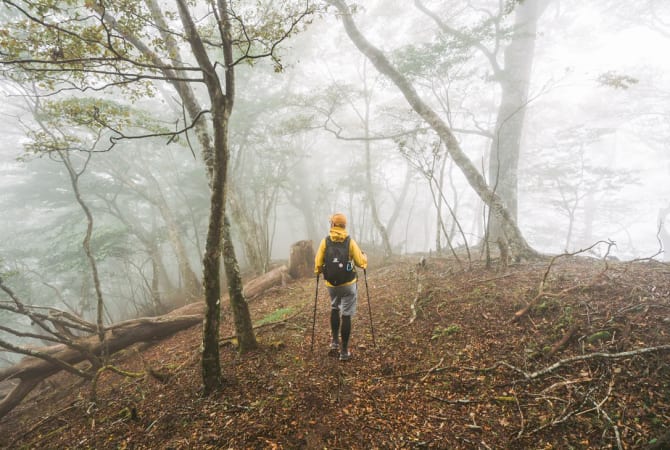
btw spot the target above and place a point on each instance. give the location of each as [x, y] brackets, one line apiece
[337, 257]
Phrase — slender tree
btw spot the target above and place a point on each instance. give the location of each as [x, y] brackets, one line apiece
[513, 77]
[476, 180]
[127, 47]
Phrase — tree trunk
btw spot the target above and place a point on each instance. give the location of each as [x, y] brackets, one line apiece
[663, 233]
[372, 202]
[246, 339]
[32, 370]
[218, 234]
[74, 179]
[275, 277]
[515, 84]
[399, 202]
[476, 180]
[246, 227]
[371, 199]
[221, 106]
[301, 196]
[192, 287]
[211, 367]
[301, 260]
[155, 295]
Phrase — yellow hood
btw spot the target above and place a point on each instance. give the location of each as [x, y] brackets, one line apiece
[338, 234]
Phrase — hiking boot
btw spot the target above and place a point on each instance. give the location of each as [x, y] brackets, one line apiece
[345, 356]
[334, 349]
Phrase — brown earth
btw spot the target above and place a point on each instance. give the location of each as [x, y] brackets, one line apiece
[459, 374]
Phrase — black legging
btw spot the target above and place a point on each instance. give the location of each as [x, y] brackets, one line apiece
[345, 331]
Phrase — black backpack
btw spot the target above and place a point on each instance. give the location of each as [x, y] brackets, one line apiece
[337, 267]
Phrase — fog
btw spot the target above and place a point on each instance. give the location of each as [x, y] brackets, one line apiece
[593, 158]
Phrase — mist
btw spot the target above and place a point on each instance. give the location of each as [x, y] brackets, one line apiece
[318, 130]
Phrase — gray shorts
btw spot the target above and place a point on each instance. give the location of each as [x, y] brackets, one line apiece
[344, 299]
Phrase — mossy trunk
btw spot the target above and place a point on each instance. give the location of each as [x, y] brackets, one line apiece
[244, 330]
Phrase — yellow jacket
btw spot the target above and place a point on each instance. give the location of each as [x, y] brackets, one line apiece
[338, 234]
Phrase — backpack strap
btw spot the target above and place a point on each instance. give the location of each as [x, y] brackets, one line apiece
[346, 241]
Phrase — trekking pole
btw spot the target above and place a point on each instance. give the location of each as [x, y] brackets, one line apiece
[367, 290]
[316, 294]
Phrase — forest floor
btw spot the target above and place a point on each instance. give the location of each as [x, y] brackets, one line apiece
[588, 366]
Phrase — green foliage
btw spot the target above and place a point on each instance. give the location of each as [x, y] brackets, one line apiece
[276, 316]
[599, 337]
[440, 332]
[616, 80]
[433, 59]
[87, 112]
[567, 319]
[77, 124]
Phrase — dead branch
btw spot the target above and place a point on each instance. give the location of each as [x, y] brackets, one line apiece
[262, 325]
[43, 321]
[598, 407]
[565, 383]
[432, 369]
[41, 363]
[540, 291]
[43, 355]
[35, 368]
[460, 401]
[564, 340]
[38, 424]
[567, 361]
[110, 368]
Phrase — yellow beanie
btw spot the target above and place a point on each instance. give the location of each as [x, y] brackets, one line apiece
[338, 219]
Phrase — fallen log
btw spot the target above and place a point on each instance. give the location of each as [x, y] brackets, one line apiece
[258, 285]
[32, 370]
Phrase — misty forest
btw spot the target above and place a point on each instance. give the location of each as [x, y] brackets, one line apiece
[169, 168]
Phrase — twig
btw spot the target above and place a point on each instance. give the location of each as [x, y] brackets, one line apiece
[263, 325]
[597, 406]
[540, 291]
[564, 383]
[563, 362]
[460, 401]
[432, 369]
[38, 424]
[564, 340]
[523, 422]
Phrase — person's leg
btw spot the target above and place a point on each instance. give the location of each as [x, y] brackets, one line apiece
[334, 327]
[346, 332]
[335, 302]
[348, 296]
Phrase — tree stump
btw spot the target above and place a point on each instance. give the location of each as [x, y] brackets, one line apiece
[301, 260]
